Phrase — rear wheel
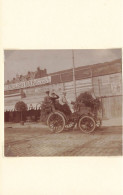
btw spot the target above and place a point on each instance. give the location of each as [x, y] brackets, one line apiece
[56, 122]
[87, 124]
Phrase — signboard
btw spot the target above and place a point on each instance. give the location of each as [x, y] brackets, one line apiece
[30, 83]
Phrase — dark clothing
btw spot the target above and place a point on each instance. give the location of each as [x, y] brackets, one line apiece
[53, 99]
[63, 108]
[66, 110]
[47, 99]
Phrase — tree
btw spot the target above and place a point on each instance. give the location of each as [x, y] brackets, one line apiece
[88, 100]
[21, 106]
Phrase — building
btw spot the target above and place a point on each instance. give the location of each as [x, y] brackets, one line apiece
[104, 79]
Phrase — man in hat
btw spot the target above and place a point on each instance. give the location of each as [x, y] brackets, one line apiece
[54, 97]
[47, 99]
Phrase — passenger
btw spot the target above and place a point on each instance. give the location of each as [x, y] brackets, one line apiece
[63, 99]
[65, 104]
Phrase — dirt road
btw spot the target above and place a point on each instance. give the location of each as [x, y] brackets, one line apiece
[106, 141]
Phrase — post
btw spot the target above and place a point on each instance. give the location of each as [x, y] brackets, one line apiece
[74, 79]
[62, 82]
[100, 97]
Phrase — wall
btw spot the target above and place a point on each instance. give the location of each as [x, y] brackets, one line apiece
[109, 88]
[112, 107]
[104, 80]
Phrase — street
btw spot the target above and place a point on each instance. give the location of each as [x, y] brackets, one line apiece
[106, 141]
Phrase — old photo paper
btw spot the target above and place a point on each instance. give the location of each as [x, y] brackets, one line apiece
[61, 97]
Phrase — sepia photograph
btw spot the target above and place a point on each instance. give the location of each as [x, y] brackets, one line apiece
[61, 97]
[63, 102]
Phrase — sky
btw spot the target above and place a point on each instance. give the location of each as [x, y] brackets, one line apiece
[22, 61]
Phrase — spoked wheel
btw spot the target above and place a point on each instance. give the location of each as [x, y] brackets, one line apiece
[87, 124]
[56, 122]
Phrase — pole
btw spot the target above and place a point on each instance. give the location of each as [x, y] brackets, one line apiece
[74, 79]
[62, 82]
[100, 98]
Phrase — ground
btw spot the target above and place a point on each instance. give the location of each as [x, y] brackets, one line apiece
[106, 141]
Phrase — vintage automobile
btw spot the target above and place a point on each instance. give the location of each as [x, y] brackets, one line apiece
[58, 120]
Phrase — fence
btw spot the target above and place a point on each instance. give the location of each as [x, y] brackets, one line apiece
[15, 116]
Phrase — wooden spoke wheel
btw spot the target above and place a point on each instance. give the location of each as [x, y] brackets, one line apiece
[86, 124]
[56, 122]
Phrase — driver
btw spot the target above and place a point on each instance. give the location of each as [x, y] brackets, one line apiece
[53, 98]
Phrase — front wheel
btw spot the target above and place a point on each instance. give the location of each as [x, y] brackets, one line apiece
[87, 124]
[56, 122]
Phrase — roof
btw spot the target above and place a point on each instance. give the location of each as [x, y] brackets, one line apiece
[114, 62]
[87, 71]
[83, 72]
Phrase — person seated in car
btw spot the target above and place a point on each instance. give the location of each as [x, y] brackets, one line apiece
[47, 99]
[65, 104]
[53, 98]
